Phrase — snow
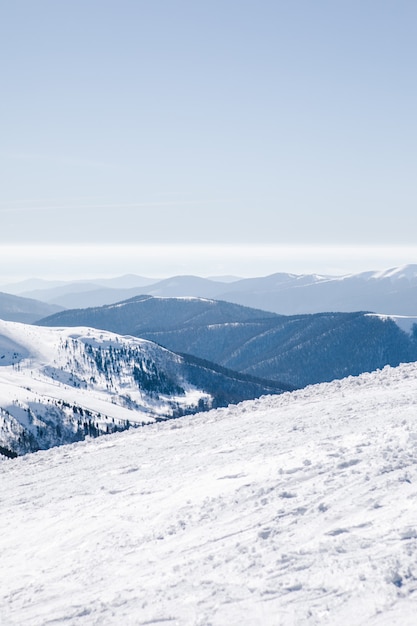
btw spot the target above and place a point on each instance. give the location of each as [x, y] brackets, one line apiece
[407, 272]
[288, 510]
[186, 298]
[405, 322]
[119, 305]
[48, 378]
[403, 272]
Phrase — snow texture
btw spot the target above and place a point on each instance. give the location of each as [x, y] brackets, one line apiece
[288, 510]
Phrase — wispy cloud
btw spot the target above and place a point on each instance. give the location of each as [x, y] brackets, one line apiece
[94, 207]
[54, 158]
[22, 209]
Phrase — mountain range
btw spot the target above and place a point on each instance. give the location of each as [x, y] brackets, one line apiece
[297, 507]
[26, 310]
[297, 350]
[290, 509]
[391, 292]
[60, 385]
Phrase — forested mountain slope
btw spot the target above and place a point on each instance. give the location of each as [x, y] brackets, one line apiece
[297, 350]
[27, 310]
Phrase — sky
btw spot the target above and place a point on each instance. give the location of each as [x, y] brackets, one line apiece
[225, 137]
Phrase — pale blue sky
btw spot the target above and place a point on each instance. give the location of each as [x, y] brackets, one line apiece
[283, 123]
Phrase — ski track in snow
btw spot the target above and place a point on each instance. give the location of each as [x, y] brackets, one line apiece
[288, 510]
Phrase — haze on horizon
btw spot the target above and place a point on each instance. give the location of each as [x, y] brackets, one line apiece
[230, 137]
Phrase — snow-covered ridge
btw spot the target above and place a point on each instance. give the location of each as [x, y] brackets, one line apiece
[183, 298]
[292, 509]
[59, 384]
[405, 322]
[403, 272]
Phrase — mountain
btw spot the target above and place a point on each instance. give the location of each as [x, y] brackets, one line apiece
[17, 309]
[46, 289]
[60, 385]
[391, 292]
[227, 278]
[85, 293]
[149, 313]
[297, 350]
[21, 287]
[292, 509]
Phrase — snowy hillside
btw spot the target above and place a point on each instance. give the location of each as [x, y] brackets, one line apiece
[297, 509]
[58, 385]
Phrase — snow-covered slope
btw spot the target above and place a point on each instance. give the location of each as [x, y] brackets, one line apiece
[297, 509]
[407, 323]
[58, 385]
